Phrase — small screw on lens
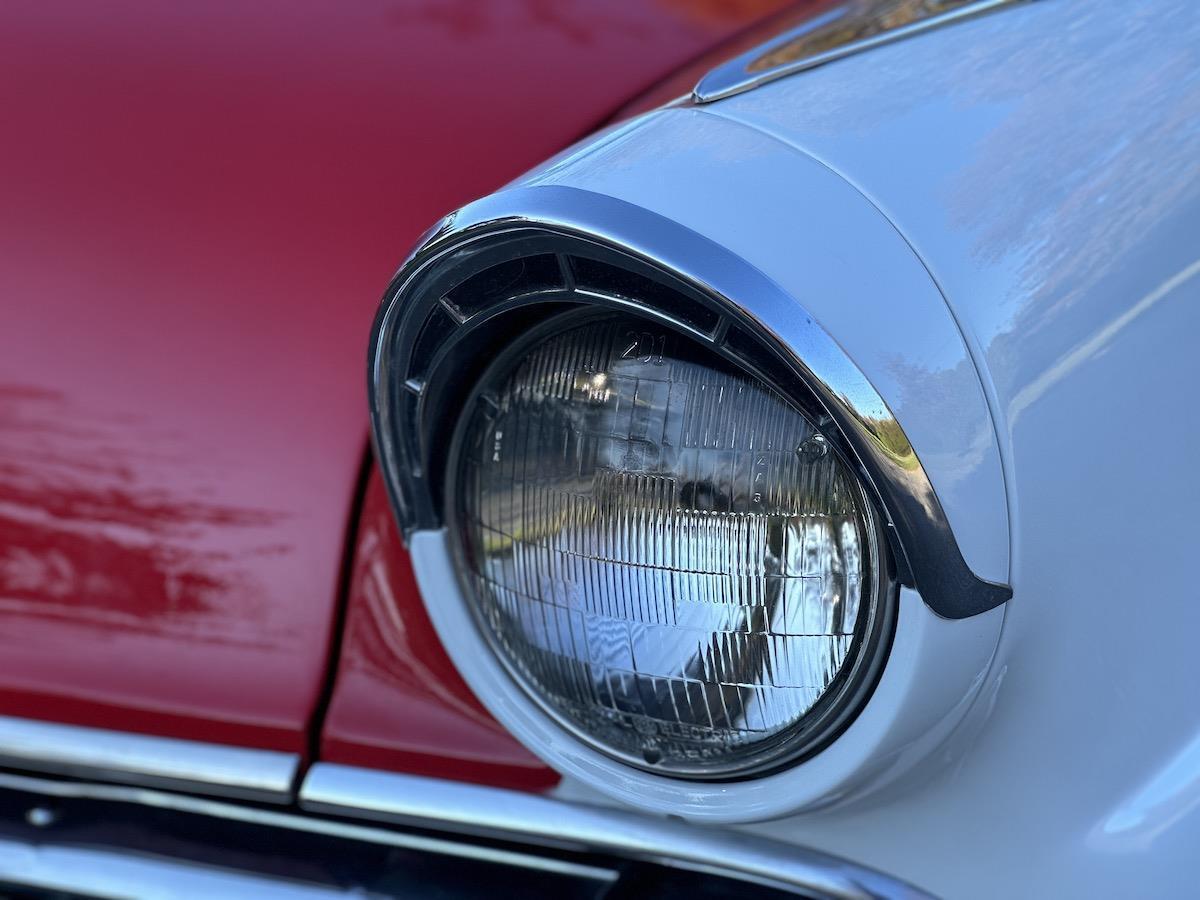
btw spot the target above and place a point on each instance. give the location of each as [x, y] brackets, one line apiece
[814, 448]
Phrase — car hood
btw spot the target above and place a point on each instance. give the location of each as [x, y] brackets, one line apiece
[202, 203]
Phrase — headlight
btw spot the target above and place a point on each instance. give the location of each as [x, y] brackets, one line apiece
[663, 518]
[664, 551]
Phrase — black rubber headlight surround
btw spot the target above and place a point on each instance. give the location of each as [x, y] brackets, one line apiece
[664, 551]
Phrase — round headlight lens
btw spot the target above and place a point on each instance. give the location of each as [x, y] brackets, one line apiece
[664, 552]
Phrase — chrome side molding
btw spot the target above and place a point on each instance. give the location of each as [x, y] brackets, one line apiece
[87, 872]
[851, 26]
[72, 855]
[492, 812]
[129, 758]
[59, 792]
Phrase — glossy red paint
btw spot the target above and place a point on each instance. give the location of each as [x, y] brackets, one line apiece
[201, 203]
[400, 703]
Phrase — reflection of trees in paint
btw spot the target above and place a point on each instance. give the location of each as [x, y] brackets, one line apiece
[83, 534]
[834, 24]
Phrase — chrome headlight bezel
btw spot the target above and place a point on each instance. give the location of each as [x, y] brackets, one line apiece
[419, 370]
[420, 330]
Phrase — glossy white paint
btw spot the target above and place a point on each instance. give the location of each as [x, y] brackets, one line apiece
[1044, 165]
[819, 239]
[933, 672]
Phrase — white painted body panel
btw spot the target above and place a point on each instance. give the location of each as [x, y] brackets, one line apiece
[825, 244]
[1044, 165]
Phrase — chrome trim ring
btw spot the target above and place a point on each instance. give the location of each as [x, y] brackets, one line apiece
[420, 328]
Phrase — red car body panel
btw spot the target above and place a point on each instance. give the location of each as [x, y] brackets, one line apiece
[201, 203]
[399, 703]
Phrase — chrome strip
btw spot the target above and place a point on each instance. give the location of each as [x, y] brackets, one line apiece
[255, 816]
[145, 759]
[931, 559]
[755, 68]
[485, 811]
[87, 872]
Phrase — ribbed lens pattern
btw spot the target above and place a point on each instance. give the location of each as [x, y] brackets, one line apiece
[664, 551]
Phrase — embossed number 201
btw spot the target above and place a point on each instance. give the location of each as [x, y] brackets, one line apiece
[645, 347]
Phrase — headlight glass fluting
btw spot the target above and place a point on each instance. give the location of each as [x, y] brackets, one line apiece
[663, 550]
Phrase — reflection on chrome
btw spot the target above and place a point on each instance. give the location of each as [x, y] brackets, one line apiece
[663, 550]
[830, 31]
